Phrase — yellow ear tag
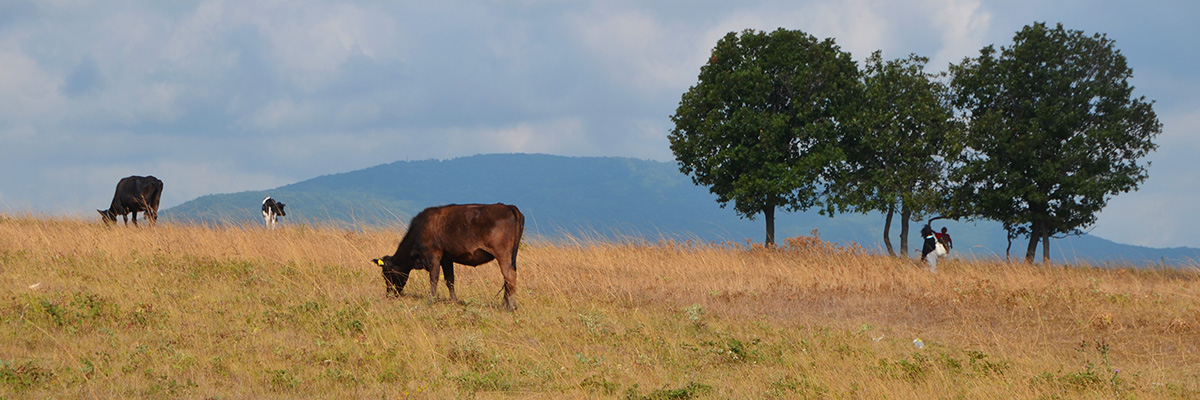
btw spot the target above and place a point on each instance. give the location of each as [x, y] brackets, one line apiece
[380, 262]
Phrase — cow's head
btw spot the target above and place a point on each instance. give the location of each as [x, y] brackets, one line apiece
[108, 216]
[394, 273]
[281, 205]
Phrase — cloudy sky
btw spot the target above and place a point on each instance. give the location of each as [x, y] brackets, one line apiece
[221, 96]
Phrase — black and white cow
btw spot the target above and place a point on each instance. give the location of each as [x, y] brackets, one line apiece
[272, 210]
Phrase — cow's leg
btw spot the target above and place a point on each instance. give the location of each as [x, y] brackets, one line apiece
[431, 264]
[134, 216]
[508, 267]
[448, 269]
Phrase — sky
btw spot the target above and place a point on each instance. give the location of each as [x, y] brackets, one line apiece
[218, 96]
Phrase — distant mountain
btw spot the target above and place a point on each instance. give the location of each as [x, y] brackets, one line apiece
[602, 197]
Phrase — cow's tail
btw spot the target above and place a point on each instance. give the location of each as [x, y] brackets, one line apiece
[520, 232]
[155, 197]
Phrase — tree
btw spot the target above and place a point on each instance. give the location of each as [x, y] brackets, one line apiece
[1054, 132]
[898, 160]
[761, 126]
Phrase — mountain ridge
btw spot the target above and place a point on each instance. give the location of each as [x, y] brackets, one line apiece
[608, 197]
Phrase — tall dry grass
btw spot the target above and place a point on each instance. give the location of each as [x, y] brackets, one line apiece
[179, 311]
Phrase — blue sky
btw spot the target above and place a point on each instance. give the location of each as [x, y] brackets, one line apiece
[226, 96]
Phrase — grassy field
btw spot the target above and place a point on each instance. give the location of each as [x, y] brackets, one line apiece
[176, 311]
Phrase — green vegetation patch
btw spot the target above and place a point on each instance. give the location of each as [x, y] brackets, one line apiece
[24, 375]
[689, 391]
[73, 312]
[1096, 375]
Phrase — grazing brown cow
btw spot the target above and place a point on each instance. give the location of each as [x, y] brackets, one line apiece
[468, 234]
[134, 194]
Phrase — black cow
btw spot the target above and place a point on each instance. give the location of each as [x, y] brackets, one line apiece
[134, 194]
[272, 210]
[468, 234]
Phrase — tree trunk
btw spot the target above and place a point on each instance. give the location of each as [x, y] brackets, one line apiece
[1046, 246]
[887, 230]
[1035, 234]
[905, 215]
[1008, 250]
[769, 216]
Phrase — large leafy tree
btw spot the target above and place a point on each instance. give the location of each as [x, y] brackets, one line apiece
[762, 126]
[1054, 132]
[898, 161]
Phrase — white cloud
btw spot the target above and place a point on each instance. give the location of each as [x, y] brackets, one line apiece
[27, 91]
[944, 30]
[279, 114]
[648, 140]
[637, 49]
[1150, 218]
[655, 51]
[309, 41]
[565, 136]
[964, 25]
[358, 111]
[194, 45]
[184, 180]
[150, 102]
[855, 25]
[1162, 212]
[539, 137]
[1181, 128]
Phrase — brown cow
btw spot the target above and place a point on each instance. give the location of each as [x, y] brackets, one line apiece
[468, 234]
[134, 194]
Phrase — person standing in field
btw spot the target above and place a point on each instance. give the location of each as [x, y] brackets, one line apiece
[944, 238]
[941, 247]
[930, 246]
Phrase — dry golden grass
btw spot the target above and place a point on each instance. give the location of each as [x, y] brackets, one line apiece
[177, 311]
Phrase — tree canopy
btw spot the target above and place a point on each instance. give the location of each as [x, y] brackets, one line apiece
[1038, 135]
[1053, 132]
[897, 161]
[762, 126]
